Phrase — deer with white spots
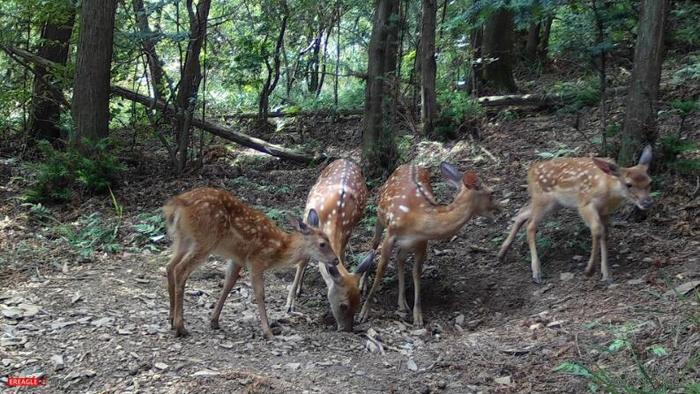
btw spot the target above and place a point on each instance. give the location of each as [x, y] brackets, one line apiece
[339, 196]
[209, 221]
[408, 211]
[593, 186]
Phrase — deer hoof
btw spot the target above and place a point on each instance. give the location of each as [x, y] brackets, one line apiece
[537, 280]
[181, 332]
[609, 280]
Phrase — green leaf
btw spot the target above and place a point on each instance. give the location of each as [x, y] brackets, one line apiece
[658, 350]
[573, 368]
[617, 345]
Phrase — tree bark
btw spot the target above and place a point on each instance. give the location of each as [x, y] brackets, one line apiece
[273, 71]
[428, 68]
[498, 45]
[148, 44]
[543, 48]
[533, 41]
[92, 71]
[186, 98]
[46, 105]
[379, 149]
[639, 126]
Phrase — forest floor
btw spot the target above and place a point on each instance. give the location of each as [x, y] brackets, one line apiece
[99, 322]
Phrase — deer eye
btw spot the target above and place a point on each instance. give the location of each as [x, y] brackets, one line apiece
[322, 244]
[629, 185]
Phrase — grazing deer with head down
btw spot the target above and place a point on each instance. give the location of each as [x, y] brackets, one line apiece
[209, 221]
[407, 209]
[339, 196]
[595, 187]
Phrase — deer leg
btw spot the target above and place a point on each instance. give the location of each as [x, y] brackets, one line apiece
[180, 249]
[592, 218]
[537, 213]
[181, 273]
[421, 252]
[383, 261]
[233, 271]
[604, 250]
[520, 219]
[259, 290]
[296, 287]
[401, 257]
[378, 231]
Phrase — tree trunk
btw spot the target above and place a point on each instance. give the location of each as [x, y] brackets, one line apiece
[46, 106]
[92, 70]
[476, 39]
[543, 47]
[379, 149]
[498, 45]
[148, 44]
[189, 80]
[273, 72]
[533, 41]
[428, 68]
[639, 126]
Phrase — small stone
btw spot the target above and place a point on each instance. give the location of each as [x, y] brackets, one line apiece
[292, 366]
[12, 312]
[536, 326]
[29, 310]
[6, 362]
[565, 276]
[205, 372]
[226, 345]
[555, 324]
[57, 361]
[459, 320]
[647, 260]
[161, 366]
[102, 322]
[636, 281]
[411, 365]
[577, 258]
[122, 331]
[441, 384]
[419, 333]
[503, 380]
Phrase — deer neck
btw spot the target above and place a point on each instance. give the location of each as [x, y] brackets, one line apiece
[445, 220]
[292, 249]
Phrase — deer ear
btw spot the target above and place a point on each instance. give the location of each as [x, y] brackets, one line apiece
[366, 263]
[312, 218]
[471, 180]
[606, 166]
[450, 173]
[299, 225]
[645, 158]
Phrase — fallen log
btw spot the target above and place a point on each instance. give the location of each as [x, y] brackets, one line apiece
[290, 114]
[222, 131]
[535, 99]
[213, 128]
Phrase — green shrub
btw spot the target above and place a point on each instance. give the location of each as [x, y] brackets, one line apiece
[458, 112]
[62, 174]
[91, 234]
[674, 150]
[577, 94]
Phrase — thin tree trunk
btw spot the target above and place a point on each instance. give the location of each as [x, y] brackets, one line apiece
[148, 44]
[533, 41]
[273, 71]
[543, 47]
[46, 105]
[379, 150]
[428, 67]
[639, 126]
[476, 39]
[498, 46]
[92, 70]
[186, 98]
[337, 56]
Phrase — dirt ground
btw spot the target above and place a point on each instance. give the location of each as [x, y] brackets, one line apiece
[100, 323]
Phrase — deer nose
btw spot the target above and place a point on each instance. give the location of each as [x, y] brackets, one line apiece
[646, 202]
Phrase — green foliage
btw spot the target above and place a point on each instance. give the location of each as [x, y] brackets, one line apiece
[675, 152]
[686, 15]
[690, 72]
[149, 230]
[684, 107]
[62, 174]
[578, 94]
[457, 110]
[90, 234]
